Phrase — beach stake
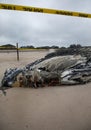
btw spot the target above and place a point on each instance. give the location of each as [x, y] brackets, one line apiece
[17, 51]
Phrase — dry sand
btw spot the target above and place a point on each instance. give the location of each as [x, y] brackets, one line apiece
[49, 108]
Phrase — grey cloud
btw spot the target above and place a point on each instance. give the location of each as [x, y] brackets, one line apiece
[45, 29]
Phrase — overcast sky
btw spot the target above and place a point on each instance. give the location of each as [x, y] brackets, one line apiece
[39, 29]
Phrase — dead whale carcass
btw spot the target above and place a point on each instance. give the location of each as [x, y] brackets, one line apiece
[47, 70]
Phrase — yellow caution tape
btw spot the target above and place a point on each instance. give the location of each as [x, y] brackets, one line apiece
[43, 10]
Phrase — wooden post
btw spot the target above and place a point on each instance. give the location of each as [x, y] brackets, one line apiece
[17, 51]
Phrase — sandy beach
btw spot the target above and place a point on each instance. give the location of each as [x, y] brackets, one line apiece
[48, 108]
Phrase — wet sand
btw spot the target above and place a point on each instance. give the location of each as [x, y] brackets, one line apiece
[48, 108]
